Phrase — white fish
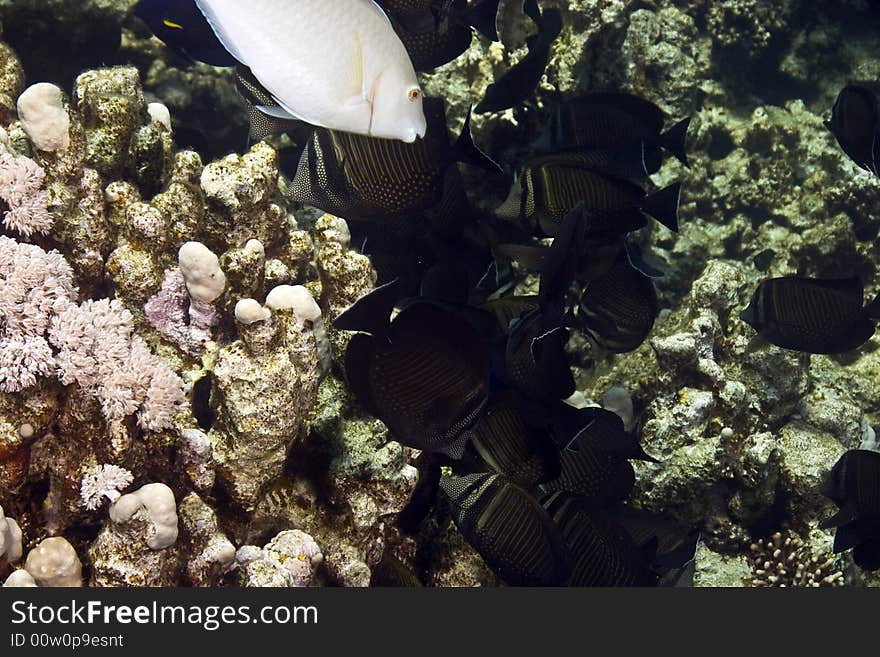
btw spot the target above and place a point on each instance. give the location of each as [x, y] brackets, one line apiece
[332, 63]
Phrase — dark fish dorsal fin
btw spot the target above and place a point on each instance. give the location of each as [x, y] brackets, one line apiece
[637, 260]
[482, 17]
[548, 352]
[556, 272]
[358, 357]
[465, 150]
[372, 312]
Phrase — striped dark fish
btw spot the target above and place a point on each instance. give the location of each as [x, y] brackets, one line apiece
[854, 486]
[634, 162]
[855, 123]
[815, 315]
[535, 360]
[359, 177]
[603, 552]
[607, 121]
[594, 458]
[618, 309]
[508, 309]
[255, 95]
[428, 380]
[508, 445]
[551, 188]
[511, 531]
[392, 572]
[434, 32]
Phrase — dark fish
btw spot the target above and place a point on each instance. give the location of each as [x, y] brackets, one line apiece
[550, 188]
[815, 315]
[184, 29]
[372, 312]
[392, 572]
[511, 531]
[854, 486]
[535, 359]
[596, 427]
[518, 83]
[618, 309]
[202, 410]
[669, 547]
[423, 496]
[855, 122]
[397, 248]
[360, 177]
[603, 552]
[436, 32]
[510, 446]
[263, 125]
[427, 380]
[634, 162]
[594, 461]
[610, 122]
[508, 309]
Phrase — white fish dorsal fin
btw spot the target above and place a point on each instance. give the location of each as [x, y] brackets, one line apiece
[380, 10]
[211, 16]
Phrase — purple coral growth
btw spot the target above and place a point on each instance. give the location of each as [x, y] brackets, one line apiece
[21, 187]
[186, 321]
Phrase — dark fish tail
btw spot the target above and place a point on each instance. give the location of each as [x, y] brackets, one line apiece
[465, 150]
[663, 206]
[482, 18]
[873, 308]
[674, 140]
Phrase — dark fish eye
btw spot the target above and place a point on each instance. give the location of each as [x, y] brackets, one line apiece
[414, 94]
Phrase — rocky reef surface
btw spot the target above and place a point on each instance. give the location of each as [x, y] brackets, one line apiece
[171, 409]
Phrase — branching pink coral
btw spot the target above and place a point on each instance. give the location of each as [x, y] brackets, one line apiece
[95, 343]
[34, 286]
[97, 348]
[21, 186]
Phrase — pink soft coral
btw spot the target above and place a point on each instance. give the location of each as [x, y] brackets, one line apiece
[21, 187]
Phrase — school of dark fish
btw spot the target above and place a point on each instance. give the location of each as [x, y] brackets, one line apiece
[478, 378]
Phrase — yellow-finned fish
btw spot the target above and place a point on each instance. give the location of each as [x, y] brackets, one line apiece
[332, 63]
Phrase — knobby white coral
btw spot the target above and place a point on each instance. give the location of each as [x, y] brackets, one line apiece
[104, 481]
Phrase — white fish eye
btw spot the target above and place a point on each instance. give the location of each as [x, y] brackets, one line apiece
[414, 94]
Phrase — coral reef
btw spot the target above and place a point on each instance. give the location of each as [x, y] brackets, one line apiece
[166, 315]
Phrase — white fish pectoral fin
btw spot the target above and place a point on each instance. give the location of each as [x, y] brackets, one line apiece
[288, 114]
[211, 16]
[357, 82]
[277, 112]
[356, 102]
